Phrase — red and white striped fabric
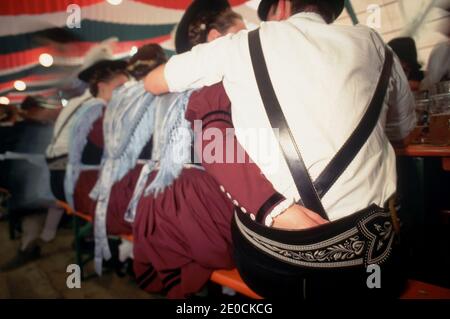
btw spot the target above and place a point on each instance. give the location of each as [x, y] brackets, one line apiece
[24, 23]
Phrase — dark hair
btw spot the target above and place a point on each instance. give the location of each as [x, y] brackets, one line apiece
[29, 103]
[325, 8]
[406, 50]
[265, 7]
[147, 58]
[221, 21]
[103, 75]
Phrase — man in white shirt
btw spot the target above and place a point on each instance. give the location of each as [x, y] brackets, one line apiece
[324, 77]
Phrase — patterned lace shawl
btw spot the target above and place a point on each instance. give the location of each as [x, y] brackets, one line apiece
[84, 119]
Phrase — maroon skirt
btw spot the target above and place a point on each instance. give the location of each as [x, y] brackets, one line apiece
[120, 196]
[182, 235]
[85, 183]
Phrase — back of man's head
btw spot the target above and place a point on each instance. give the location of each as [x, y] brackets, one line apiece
[329, 10]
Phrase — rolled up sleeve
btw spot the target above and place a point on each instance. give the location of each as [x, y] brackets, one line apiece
[204, 65]
[401, 116]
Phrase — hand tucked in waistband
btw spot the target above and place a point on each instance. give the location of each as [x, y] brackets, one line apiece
[298, 217]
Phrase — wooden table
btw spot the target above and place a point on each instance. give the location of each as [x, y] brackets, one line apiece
[425, 150]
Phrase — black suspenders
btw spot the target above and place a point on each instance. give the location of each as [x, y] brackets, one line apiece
[310, 192]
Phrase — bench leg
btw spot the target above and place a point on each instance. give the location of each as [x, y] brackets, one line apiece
[81, 232]
[12, 228]
[12, 222]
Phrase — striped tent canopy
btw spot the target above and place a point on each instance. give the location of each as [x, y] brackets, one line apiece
[68, 29]
[30, 28]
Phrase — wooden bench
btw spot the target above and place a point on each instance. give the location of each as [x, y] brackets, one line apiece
[227, 278]
[231, 278]
[79, 233]
[70, 211]
[414, 289]
[421, 290]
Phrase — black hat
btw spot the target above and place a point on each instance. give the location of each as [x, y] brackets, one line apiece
[264, 8]
[265, 5]
[101, 69]
[39, 101]
[406, 50]
[30, 102]
[193, 12]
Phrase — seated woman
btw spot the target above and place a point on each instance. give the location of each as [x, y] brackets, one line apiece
[181, 235]
[127, 127]
[86, 145]
[126, 146]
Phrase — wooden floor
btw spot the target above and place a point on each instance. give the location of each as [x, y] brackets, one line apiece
[46, 277]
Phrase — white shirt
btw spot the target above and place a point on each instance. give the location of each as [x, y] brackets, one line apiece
[438, 66]
[60, 144]
[324, 77]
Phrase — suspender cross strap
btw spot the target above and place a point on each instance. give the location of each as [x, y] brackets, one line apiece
[310, 192]
[278, 122]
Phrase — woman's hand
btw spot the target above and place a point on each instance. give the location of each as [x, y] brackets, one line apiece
[298, 217]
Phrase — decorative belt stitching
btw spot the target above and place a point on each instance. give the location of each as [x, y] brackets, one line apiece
[366, 243]
[379, 233]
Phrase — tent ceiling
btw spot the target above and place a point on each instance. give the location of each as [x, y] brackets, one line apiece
[406, 18]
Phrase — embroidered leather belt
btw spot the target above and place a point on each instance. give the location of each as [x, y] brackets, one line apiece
[344, 243]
